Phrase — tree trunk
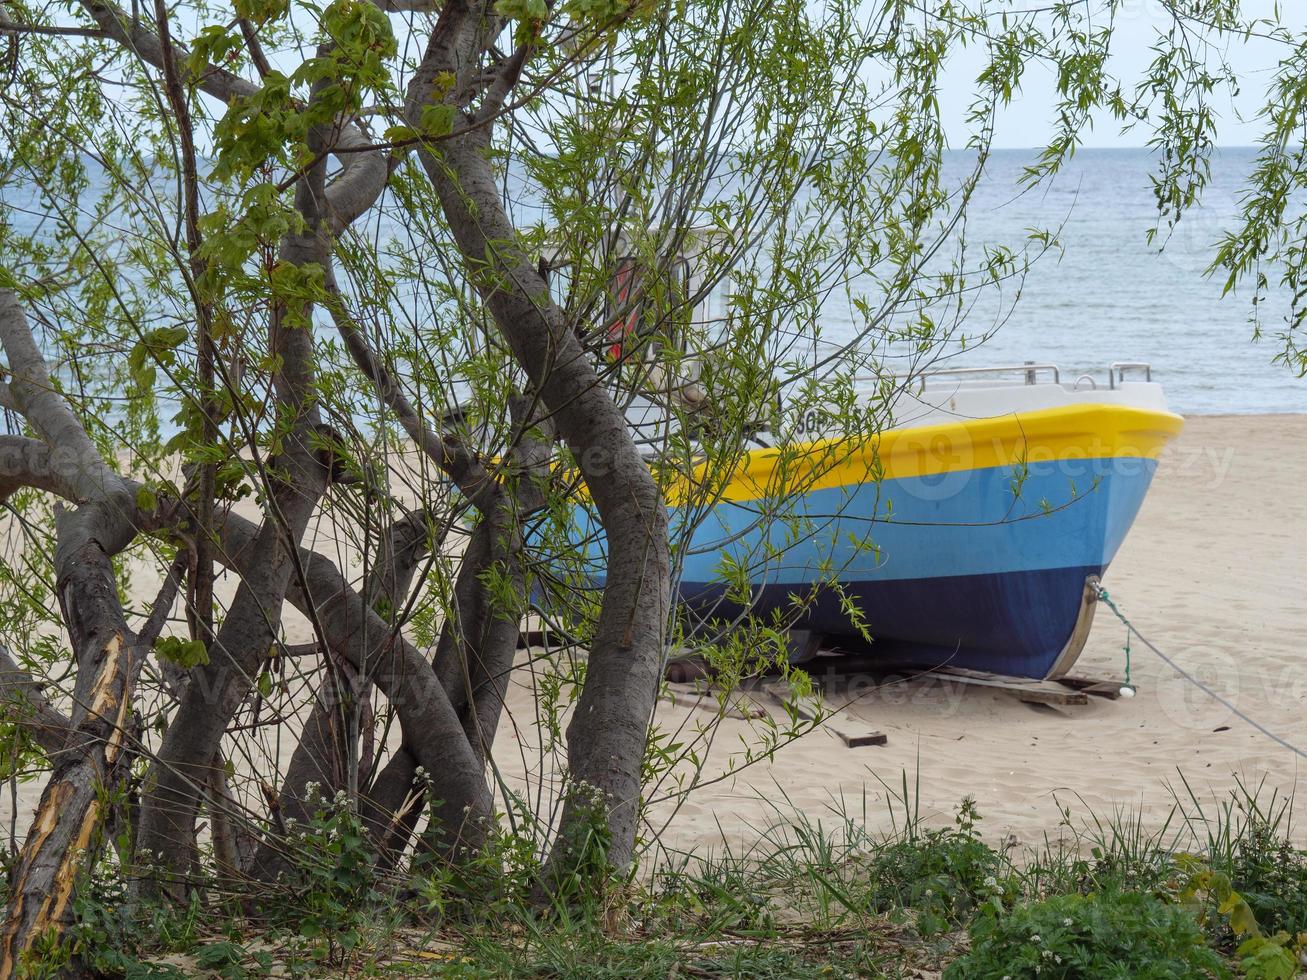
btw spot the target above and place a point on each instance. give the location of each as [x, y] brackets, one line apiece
[399, 671]
[184, 763]
[65, 833]
[183, 766]
[478, 641]
[609, 731]
[89, 771]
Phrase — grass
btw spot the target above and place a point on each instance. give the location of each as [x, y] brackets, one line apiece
[1217, 890]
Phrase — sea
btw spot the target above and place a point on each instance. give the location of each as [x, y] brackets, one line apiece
[1108, 295]
[1113, 296]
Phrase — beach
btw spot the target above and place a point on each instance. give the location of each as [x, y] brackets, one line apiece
[1212, 574]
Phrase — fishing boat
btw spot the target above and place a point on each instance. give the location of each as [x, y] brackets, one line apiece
[971, 533]
[969, 530]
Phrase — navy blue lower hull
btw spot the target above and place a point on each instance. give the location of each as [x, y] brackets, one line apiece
[1015, 623]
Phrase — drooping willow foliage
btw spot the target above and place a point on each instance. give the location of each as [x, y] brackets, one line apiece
[345, 341]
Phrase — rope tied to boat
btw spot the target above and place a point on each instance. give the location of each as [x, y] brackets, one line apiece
[1106, 599]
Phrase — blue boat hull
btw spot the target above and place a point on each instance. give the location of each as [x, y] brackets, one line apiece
[974, 569]
[1013, 623]
[983, 569]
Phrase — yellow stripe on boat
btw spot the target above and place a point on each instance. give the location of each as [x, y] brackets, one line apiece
[1073, 432]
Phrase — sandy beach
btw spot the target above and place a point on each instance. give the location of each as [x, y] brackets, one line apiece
[1212, 573]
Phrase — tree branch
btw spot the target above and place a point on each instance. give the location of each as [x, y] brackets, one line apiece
[327, 739]
[255, 48]
[11, 27]
[35, 398]
[408, 6]
[364, 171]
[453, 458]
[371, 645]
[27, 463]
[133, 35]
[506, 78]
[163, 601]
[28, 706]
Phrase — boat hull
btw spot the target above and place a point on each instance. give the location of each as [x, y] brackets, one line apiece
[967, 544]
[1018, 624]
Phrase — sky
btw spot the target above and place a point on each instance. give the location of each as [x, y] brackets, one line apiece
[1028, 121]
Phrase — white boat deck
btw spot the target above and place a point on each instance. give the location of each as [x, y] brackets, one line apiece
[977, 393]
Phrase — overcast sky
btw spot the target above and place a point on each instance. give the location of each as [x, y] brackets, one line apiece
[1028, 122]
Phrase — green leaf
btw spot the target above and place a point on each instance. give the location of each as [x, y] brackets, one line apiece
[1242, 920]
[261, 11]
[400, 134]
[166, 338]
[147, 501]
[438, 119]
[524, 10]
[184, 653]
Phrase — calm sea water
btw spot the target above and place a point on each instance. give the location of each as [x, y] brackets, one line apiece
[1113, 297]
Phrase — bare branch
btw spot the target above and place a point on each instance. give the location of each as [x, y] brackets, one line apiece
[27, 463]
[85, 474]
[36, 400]
[11, 27]
[363, 177]
[128, 31]
[453, 458]
[408, 6]
[506, 78]
[27, 705]
[200, 605]
[163, 601]
[255, 48]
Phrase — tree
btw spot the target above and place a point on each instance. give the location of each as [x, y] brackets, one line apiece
[407, 272]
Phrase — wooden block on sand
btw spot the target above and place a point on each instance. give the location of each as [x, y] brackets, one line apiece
[697, 695]
[852, 731]
[1035, 692]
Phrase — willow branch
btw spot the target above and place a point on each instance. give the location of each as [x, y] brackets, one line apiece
[27, 705]
[467, 472]
[11, 27]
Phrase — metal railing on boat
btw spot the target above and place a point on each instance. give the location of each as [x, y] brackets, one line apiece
[1030, 369]
[1117, 369]
[1116, 372]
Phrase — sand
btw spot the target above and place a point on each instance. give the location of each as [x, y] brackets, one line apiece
[1212, 573]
